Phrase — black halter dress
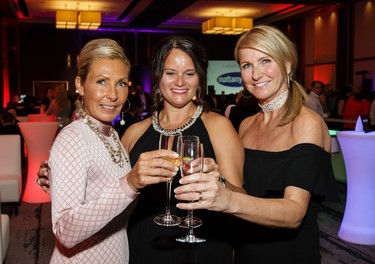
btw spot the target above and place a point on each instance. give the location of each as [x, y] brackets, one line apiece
[151, 243]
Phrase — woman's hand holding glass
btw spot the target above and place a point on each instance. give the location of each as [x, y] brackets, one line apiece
[204, 189]
[152, 167]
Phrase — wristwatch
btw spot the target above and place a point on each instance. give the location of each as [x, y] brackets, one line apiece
[222, 179]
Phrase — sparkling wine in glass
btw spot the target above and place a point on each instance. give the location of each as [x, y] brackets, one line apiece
[192, 159]
[172, 142]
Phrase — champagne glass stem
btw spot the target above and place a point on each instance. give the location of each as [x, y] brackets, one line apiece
[190, 236]
[168, 202]
[191, 219]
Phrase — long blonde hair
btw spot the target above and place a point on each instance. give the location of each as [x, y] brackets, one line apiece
[273, 42]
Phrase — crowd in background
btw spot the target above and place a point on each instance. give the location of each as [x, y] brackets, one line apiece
[331, 103]
[341, 107]
[328, 101]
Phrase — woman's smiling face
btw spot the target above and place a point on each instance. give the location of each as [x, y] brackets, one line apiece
[105, 89]
[180, 80]
[261, 75]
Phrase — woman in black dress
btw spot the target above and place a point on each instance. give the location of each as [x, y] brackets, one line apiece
[179, 76]
[288, 169]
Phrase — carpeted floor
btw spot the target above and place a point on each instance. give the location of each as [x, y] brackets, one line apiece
[32, 240]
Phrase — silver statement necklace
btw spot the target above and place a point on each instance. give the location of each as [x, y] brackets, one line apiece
[116, 154]
[169, 132]
[276, 103]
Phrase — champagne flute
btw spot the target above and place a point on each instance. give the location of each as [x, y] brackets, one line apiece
[192, 161]
[172, 142]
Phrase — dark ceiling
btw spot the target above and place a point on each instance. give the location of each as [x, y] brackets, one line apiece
[162, 14]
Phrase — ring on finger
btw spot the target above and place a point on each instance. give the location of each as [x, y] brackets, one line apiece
[38, 182]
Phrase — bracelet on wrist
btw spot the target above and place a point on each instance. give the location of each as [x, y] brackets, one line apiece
[222, 180]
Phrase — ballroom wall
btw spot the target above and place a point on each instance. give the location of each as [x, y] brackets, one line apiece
[340, 43]
[44, 51]
[364, 41]
[320, 50]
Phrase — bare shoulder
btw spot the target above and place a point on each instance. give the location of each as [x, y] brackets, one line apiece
[220, 129]
[217, 124]
[213, 117]
[228, 148]
[309, 127]
[133, 133]
[308, 120]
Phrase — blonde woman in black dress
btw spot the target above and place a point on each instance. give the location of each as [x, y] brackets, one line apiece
[288, 169]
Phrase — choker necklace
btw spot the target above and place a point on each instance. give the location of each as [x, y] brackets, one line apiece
[116, 155]
[169, 132]
[276, 103]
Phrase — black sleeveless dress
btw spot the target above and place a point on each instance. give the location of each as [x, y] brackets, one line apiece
[266, 174]
[151, 243]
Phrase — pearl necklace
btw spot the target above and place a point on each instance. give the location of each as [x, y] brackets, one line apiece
[276, 103]
[169, 132]
[116, 155]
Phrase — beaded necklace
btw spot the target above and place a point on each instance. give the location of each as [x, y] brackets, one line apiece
[116, 154]
[169, 132]
[276, 103]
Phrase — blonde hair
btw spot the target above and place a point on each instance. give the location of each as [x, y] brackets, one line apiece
[99, 49]
[274, 43]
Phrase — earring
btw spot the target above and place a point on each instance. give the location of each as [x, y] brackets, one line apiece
[122, 121]
[194, 98]
[288, 80]
[160, 95]
[82, 103]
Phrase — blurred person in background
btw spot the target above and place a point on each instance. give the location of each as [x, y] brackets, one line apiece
[46, 101]
[60, 106]
[372, 114]
[144, 97]
[28, 106]
[313, 101]
[355, 106]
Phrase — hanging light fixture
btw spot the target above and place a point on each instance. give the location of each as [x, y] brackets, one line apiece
[227, 25]
[89, 20]
[66, 19]
[69, 19]
[242, 24]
